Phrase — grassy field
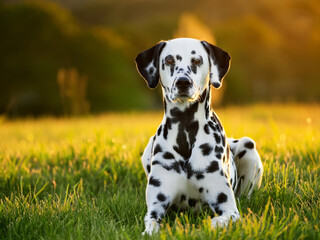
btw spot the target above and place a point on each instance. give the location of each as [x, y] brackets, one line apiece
[81, 178]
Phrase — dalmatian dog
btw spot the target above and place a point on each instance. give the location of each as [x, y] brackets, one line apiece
[189, 162]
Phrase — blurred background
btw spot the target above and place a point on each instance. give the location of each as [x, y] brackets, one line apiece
[73, 57]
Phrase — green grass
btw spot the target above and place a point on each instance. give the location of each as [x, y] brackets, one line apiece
[81, 178]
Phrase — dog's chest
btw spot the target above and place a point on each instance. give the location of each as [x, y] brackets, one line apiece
[192, 149]
[188, 147]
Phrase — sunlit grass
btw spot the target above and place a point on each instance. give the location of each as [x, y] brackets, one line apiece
[81, 178]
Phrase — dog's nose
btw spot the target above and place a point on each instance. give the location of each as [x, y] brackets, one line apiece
[183, 83]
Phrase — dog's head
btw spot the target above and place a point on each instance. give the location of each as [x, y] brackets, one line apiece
[183, 66]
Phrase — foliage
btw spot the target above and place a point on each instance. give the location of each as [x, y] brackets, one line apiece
[40, 38]
[81, 178]
[273, 45]
[274, 48]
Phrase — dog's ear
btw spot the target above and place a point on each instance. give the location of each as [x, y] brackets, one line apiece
[148, 64]
[219, 62]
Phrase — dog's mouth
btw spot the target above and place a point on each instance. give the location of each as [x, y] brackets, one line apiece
[185, 97]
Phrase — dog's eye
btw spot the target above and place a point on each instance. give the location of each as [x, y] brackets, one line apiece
[196, 61]
[170, 61]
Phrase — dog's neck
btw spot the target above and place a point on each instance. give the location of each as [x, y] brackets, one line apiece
[186, 111]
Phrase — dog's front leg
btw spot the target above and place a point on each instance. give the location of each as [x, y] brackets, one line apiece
[220, 198]
[161, 191]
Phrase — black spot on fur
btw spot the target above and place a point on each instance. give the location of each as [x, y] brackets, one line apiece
[206, 129]
[206, 149]
[161, 197]
[193, 52]
[168, 155]
[241, 154]
[235, 141]
[207, 109]
[168, 168]
[201, 189]
[182, 163]
[151, 70]
[194, 68]
[211, 124]
[157, 149]
[172, 69]
[218, 149]
[221, 173]
[179, 57]
[187, 129]
[192, 202]
[217, 121]
[154, 181]
[159, 130]
[199, 176]
[176, 166]
[249, 145]
[165, 105]
[207, 112]
[218, 155]
[222, 198]
[166, 127]
[189, 170]
[192, 130]
[155, 162]
[218, 210]
[148, 168]
[223, 139]
[213, 167]
[203, 96]
[154, 215]
[217, 138]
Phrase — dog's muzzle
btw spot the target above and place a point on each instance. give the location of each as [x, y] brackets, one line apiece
[183, 89]
[183, 85]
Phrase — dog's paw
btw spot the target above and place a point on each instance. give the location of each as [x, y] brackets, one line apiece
[151, 227]
[221, 221]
